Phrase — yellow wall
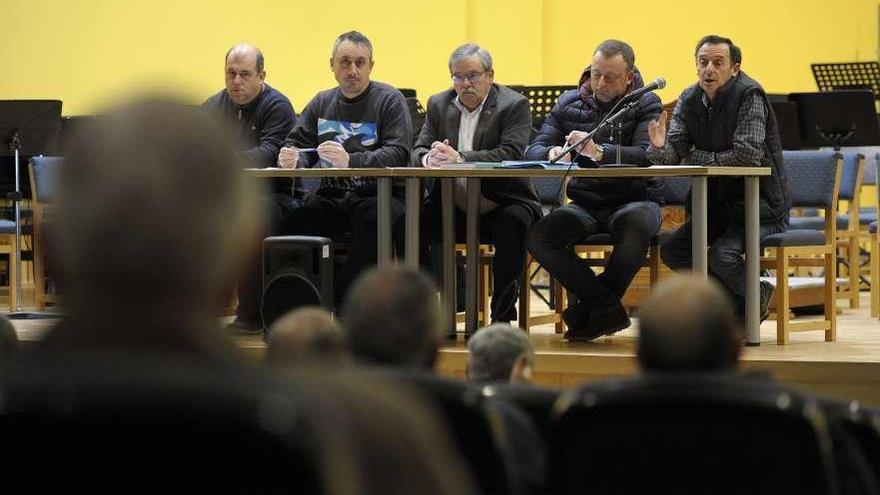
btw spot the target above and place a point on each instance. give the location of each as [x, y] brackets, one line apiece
[89, 52]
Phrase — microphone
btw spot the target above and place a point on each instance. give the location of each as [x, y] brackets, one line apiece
[654, 85]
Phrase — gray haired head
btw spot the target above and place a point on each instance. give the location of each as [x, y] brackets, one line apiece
[355, 37]
[494, 350]
[468, 50]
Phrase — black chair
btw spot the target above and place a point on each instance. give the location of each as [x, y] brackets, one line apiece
[536, 402]
[855, 434]
[690, 434]
[99, 423]
[473, 421]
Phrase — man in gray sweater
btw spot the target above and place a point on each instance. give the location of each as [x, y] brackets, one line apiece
[359, 123]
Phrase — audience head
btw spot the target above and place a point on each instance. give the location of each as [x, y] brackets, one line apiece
[392, 317]
[152, 209]
[611, 71]
[688, 324]
[8, 339]
[244, 73]
[307, 335]
[352, 62]
[472, 74]
[500, 353]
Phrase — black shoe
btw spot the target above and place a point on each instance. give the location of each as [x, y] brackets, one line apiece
[576, 315]
[767, 290]
[602, 320]
[245, 326]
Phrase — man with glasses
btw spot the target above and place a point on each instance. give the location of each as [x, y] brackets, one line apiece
[626, 208]
[260, 116]
[481, 121]
[358, 124]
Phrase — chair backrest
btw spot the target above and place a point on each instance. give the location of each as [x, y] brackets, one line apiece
[851, 175]
[44, 172]
[471, 421]
[689, 434]
[536, 402]
[814, 178]
[155, 424]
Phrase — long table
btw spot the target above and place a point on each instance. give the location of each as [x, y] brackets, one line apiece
[474, 174]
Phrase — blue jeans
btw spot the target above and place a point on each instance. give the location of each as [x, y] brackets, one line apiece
[632, 226]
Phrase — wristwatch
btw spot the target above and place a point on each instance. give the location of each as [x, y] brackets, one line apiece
[598, 152]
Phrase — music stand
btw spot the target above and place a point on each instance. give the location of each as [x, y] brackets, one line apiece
[848, 76]
[837, 118]
[27, 127]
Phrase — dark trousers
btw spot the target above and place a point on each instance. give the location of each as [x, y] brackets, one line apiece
[632, 226]
[250, 282]
[727, 246]
[329, 216]
[505, 227]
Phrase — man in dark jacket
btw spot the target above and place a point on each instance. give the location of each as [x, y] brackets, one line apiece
[261, 117]
[480, 121]
[725, 120]
[358, 124]
[628, 209]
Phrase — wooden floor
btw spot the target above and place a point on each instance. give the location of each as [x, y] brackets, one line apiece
[846, 369]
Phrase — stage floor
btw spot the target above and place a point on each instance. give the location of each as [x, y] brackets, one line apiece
[846, 369]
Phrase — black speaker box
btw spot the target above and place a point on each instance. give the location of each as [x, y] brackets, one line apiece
[297, 271]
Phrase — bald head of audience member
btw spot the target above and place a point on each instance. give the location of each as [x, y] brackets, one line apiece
[688, 324]
[151, 211]
[392, 317]
[500, 353]
[306, 335]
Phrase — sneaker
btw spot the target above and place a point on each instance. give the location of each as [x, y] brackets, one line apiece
[767, 290]
[245, 326]
[602, 320]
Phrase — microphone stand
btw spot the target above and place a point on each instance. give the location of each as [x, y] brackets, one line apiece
[609, 119]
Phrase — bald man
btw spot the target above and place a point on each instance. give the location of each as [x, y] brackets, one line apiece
[688, 324]
[261, 117]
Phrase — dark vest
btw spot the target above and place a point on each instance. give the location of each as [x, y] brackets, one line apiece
[712, 129]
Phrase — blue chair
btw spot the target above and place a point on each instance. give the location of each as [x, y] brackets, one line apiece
[875, 270]
[44, 172]
[814, 182]
[849, 230]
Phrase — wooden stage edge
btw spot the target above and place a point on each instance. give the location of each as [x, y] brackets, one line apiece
[846, 369]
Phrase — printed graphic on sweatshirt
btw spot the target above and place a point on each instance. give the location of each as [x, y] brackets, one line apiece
[362, 135]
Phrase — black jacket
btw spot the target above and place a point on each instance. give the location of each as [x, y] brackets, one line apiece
[260, 127]
[502, 134]
[713, 130]
[579, 110]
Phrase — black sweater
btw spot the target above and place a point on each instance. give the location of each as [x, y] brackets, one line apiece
[260, 126]
[374, 128]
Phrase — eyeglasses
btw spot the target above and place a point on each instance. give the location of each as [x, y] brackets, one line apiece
[471, 78]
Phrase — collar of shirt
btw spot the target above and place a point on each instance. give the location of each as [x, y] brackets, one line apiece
[468, 124]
